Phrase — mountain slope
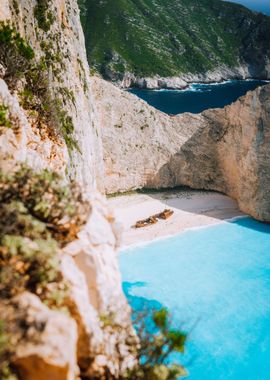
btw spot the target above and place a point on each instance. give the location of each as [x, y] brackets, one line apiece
[171, 38]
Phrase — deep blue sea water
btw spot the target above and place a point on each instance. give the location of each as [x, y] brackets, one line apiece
[256, 5]
[198, 97]
[216, 283]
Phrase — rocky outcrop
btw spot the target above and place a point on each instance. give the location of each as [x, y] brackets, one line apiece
[223, 149]
[43, 345]
[135, 137]
[90, 266]
[230, 153]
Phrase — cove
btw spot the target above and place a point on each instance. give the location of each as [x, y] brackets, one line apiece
[215, 281]
[198, 97]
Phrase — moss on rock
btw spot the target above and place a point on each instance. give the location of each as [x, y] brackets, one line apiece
[43, 15]
[4, 120]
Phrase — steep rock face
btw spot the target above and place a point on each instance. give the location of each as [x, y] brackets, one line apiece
[233, 144]
[54, 31]
[223, 149]
[135, 137]
[23, 142]
[100, 347]
[92, 273]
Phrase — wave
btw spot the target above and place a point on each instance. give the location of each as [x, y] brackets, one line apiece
[200, 87]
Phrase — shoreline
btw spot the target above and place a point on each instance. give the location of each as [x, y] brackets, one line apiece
[221, 74]
[146, 242]
[189, 85]
[193, 209]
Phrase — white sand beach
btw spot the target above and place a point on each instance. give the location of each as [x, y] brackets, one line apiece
[192, 209]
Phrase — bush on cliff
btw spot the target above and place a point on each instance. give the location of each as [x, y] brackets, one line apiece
[30, 78]
[16, 54]
[39, 214]
[158, 341]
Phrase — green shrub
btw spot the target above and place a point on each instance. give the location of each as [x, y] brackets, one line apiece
[38, 215]
[17, 58]
[43, 16]
[16, 54]
[158, 341]
[48, 199]
[10, 38]
[27, 264]
[4, 120]
[6, 372]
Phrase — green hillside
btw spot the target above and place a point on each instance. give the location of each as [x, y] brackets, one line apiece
[170, 37]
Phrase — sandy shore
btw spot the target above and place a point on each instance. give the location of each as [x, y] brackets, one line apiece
[191, 208]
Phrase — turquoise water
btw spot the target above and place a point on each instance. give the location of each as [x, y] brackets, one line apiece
[216, 283]
[198, 97]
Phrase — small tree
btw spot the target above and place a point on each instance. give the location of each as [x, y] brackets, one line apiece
[158, 341]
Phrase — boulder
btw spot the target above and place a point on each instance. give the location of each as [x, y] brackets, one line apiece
[46, 340]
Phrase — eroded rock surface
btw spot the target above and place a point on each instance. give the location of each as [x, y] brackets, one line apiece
[58, 37]
[230, 153]
[22, 142]
[43, 347]
[223, 149]
[91, 270]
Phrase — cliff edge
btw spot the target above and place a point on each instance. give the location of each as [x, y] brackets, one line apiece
[60, 282]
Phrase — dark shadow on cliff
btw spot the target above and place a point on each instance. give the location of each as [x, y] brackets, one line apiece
[172, 198]
[186, 199]
[197, 162]
[204, 162]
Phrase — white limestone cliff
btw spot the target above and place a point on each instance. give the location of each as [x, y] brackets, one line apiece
[89, 263]
[223, 149]
[65, 41]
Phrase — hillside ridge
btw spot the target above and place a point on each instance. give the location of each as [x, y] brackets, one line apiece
[153, 44]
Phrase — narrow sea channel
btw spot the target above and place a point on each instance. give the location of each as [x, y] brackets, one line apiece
[198, 97]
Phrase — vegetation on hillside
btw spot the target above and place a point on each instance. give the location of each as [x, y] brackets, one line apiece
[29, 77]
[148, 37]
